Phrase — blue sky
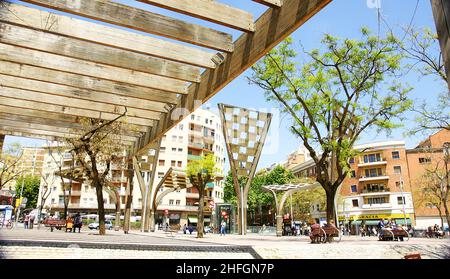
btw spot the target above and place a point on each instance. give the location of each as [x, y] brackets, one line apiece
[342, 18]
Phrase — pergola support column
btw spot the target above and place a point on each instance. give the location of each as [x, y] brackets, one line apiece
[2, 139]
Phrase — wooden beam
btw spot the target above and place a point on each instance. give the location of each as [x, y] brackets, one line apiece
[141, 20]
[61, 109]
[75, 66]
[68, 102]
[441, 12]
[52, 122]
[108, 36]
[82, 94]
[209, 10]
[49, 128]
[271, 28]
[85, 82]
[270, 3]
[39, 40]
[38, 134]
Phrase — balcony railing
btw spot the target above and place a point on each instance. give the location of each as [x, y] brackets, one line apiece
[366, 191]
[375, 163]
[369, 178]
[192, 195]
[194, 157]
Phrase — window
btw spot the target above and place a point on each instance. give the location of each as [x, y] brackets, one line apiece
[180, 127]
[373, 172]
[371, 158]
[179, 164]
[354, 189]
[86, 188]
[401, 200]
[170, 202]
[210, 122]
[160, 175]
[161, 163]
[351, 161]
[54, 188]
[162, 150]
[180, 149]
[53, 201]
[424, 160]
[198, 118]
[174, 149]
[376, 200]
[374, 187]
[206, 120]
[430, 205]
[180, 139]
[193, 117]
[178, 202]
[172, 163]
[395, 155]
[174, 138]
[353, 173]
[355, 203]
[397, 169]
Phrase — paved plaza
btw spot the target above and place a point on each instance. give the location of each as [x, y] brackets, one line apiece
[19, 243]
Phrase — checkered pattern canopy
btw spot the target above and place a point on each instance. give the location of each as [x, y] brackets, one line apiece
[287, 187]
[244, 131]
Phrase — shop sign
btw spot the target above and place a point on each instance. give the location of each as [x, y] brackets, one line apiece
[373, 216]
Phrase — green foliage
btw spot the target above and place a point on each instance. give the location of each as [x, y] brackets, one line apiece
[204, 166]
[302, 201]
[256, 195]
[30, 189]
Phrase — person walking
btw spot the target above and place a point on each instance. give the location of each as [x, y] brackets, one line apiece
[223, 226]
[26, 219]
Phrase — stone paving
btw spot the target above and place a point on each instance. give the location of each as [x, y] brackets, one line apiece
[19, 243]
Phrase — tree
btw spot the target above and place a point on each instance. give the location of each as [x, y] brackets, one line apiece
[63, 172]
[10, 164]
[96, 148]
[30, 189]
[200, 173]
[433, 187]
[47, 181]
[338, 93]
[423, 49]
[302, 201]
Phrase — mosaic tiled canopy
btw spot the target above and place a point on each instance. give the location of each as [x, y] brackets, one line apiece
[244, 131]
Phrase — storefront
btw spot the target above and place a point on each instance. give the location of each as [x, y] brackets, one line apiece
[353, 223]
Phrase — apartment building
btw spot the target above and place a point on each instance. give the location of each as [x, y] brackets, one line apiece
[427, 156]
[378, 186]
[198, 134]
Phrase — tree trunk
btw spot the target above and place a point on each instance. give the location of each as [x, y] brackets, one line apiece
[201, 190]
[101, 206]
[440, 215]
[331, 214]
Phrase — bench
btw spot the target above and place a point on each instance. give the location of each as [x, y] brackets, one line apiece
[392, 234]
[324, 234]
[413, 257]
[58, 224]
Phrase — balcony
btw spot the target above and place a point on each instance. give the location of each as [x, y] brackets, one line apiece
[73, 193]
[194, 157]
[192, 195]
[196, 145]
[373, 178]
[173, 207]
[376, 206]
[374, 193]
[370, 164]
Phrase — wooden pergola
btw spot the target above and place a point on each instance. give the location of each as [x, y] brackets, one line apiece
[55, 69]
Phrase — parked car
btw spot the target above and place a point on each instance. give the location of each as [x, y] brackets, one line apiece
[108, 225]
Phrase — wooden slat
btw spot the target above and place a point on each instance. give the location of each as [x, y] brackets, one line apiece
[42, 119]
[271, 28]
[39, 40]
[82, 94]
[92, 32]
[209, 10]
[85, 82]
[141, 20]
[66, 64]
[270, 3]
[38, 134]
[74, 103]
[32, 105]
[48, 128]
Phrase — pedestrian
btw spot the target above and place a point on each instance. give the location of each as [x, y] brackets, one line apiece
[184, 228]
[77, 223]
[32, 217]
[380, 225]
[223, 226]
[26, 219]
